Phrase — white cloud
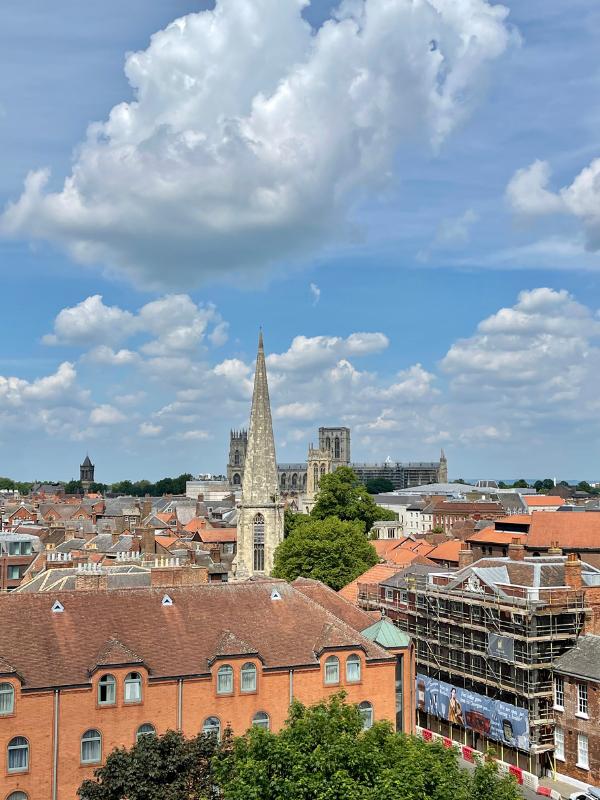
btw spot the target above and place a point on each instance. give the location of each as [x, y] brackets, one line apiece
[311, 352]
[298, 411]
[106, 415]
[148, 430]
[316, 293]
[194, 436]
[250, 136]
[528, 194]
[90, 322]
[59, 386]
[106, 355]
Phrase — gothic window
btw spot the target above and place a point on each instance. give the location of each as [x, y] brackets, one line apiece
[236, 458]
[322, 470]
[259, 543]
[236, 479]
[304, 481]
[283, 481]
[316, 475]
[294, 481]
[328, 443]
[336, 447]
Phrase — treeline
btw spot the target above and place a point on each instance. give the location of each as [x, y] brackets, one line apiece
[135, 488]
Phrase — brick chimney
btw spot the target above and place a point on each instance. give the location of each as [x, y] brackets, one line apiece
[91, 581]
[554, 549]
[573, 572]
[148, 540]
[465, 556]
[215, 553]
[516, 550]
[146, 507]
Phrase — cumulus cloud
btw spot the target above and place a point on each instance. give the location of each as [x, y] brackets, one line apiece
[297, 411]
[59, 386]
[106, 415]
[528, 194]
[251, 136]
[148, 430]
[106, 355]
[316, 351]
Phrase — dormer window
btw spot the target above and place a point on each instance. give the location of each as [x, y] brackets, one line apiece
[7, 699]
[107, 690]
[225, 679]
[248, 677]
[133, 688]
[332, 670]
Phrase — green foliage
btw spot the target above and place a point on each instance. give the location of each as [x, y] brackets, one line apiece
[342, 495]
[330, 550]
[168, 767]
[323, 754]
[20, 486]
[291, 519]
[543, 487]
[73, 487]
[143, 487]
[379, 485]
[520, 484]
[583, 486]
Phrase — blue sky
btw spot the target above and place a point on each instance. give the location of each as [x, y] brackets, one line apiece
[442, 199]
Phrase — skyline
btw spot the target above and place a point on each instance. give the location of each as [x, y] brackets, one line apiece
[434, 287]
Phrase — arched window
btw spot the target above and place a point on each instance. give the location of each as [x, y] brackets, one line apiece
[236, 480]
[225, 679]
[7, 698]
[316, 475]
[91, 747]
[294, 481]
[304, 481]
[353, 668]
[107, 690]
[336, 447]
[259, 543]
[236, 458]
[212, 725]
[322, 470]
[145, 730]
[332, 670]
[283, 480]
[328, 443]
[366, 712]
[133, 688]
[261, 720]
[248, 677]
[17, 796]
[18, 754]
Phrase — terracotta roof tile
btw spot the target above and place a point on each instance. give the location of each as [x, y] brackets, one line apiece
[114, 653]
[446, 551]
[334, 602]
[565, 528]
[218, 535]
[492, 536]
[372, 576]
[532, 500]
[231, 645]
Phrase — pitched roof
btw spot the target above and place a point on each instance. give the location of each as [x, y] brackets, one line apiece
[446, 551]
[582, 660]
[113, 654]
[195, 524]
[532, 500]
[372, 576]
[386, 634]
[57, 649]
[231, 645]
[492, 536]
[218, 535]
[568, 530]
[334, 602]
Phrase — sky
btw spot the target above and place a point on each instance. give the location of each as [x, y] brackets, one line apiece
[405, 195]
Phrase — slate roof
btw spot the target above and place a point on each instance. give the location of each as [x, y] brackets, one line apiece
[63, 578]
[57, 649]
[583, 660]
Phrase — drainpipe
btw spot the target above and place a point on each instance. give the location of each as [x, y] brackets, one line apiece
[55, 747]
[180, 704]
[291, 686]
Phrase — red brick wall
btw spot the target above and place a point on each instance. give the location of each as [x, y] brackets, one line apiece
[572, 725]
[79, 711]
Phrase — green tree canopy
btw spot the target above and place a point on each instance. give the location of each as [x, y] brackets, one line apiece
[331, 550]
[342, 495]
[323, 754]
[291, 519]
[520, 484]
[583, 486]
[168, 767]
[379, 485]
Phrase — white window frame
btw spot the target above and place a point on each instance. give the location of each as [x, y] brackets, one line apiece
[366, 712]
[332, 671]
[212, 725]
[389, 595]
[583, 753]
[7, 707]
[559, 744]
[248, 671]
[109, 681]
[559, 693]
[96, 741]
[147, 732]
[261, 720]
[353, 665]
[582, 701]
[225, 679]
[132, 688]
[16, 745]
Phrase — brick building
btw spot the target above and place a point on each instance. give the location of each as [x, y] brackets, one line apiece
[17, 552]
[445, 513]
[91, 670]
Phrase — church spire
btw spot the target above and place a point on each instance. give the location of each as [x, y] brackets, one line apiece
[260, 468]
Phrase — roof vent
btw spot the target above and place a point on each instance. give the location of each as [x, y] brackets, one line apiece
[58, 608]
[275, 595]
[166, 601]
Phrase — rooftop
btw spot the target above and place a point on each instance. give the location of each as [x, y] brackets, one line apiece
[583, 660]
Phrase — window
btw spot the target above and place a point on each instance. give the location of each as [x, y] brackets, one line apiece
[353, 668]
[236, 458]
[7, 699]
[18, 754]
[145, 730]
[212, 725]
[559, 692]
[389, 594]
[228, 549]
[559, 744]
[259, 543]
[133, 688]
[14, 573]
[582, 751]
[366, 712]
[261, 720]
[19, 548]
[336, 447]
[248, 678]
[91, 747]
[236, 480]
[17, 796]
[107, 690]
[225, 680]
[582, 699]
[332, 670]
[283, 481]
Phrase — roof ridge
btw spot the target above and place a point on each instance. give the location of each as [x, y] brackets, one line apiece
[114, 652]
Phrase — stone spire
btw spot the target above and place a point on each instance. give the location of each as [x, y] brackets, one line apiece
[260, 514]
[260, 467]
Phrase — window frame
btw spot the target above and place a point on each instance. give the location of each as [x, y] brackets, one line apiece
[330, 661]
[225, 669]
[129, 681]
[364, 708]
[582, 737]
[18, 794]
[139, 732]
[96, 739]
[18, 747]
[248, 668]
[11, 692]
[354, 660]
[558, 687]
[559, 743]
[213, 729]
[106, 680]
[582, 700]
[264, 723]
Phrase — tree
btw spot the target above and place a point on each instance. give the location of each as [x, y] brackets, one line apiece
[330, 550]
[583, 486]
[521, 484]
[502, 485]
[291, 519]
[168, 767]
[73, 487]
[379, 485]
[342, 495]
[323, 754]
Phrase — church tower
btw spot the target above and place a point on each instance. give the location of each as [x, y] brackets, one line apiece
[443, 468]
[260, 515]
[86, 474]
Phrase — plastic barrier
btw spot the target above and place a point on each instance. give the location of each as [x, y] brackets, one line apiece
[518, 774]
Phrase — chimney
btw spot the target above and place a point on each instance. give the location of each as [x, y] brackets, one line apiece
[146, 508]
[554, 549]
[199, 503]
[516, 551]
[120, 524]
[573, 572]
[465, 557]
[91, 581]
[148, 541]
[215, 553]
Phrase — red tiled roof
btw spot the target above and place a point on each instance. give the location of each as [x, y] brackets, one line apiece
[533, 500]
[166, 541]
[195, 524]
[492, 536]
[334, 602]
[566, 529]
[57, 649]
[218, 535]
[374, 575]
[515, 519]
[446, 551]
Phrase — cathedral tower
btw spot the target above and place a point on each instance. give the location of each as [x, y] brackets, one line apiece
[260, 516]
[86, 474]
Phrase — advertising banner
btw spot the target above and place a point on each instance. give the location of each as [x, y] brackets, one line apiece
[501, 647]
[501, 722]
